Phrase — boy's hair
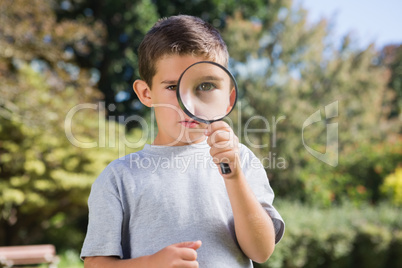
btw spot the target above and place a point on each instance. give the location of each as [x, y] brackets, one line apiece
[179, 35]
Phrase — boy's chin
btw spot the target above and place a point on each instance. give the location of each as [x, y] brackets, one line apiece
[190, 138]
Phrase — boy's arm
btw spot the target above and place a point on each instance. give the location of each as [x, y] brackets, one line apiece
[253, 226]
[177, 255]
[115, 262]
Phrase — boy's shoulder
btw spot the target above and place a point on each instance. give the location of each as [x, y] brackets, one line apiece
[124, 161]
[121, 164]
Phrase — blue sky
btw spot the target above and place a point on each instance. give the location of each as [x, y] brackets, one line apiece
[378, 21]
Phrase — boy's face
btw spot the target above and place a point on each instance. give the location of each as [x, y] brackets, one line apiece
[175, 128]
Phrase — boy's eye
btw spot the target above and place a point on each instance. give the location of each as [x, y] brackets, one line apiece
[206, 86]
[172, 87]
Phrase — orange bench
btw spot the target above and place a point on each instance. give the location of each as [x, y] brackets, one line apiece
[27, 255]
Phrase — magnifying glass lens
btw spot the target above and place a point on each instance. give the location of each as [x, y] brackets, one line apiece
[207, 92]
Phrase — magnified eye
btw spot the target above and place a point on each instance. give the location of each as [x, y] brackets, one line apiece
[206, 86]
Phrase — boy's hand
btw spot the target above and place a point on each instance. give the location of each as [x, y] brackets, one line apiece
[181, 255]
[224, 147]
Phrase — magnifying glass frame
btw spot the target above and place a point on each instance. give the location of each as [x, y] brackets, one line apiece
[183, 107]
[224, 166]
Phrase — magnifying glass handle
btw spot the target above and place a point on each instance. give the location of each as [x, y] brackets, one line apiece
[225, 168]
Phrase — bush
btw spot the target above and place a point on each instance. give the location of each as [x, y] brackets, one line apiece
[359, 177]
[346, 236]
[70, 259]
[45, 178]
[392, 187]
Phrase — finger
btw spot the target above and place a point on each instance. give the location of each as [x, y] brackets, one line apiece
[188, 264]
[219, 136]
[220, 149]
[188, 254]
[197, 245]
[224, 157]
[217, 125]
[189, 244]
[222, 139]
[223, 145]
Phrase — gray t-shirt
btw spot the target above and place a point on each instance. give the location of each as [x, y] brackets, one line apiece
[162, 195]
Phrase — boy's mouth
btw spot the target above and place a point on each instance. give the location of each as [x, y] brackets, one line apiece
[189, 123]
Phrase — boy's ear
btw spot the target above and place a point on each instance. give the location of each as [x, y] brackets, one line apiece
[143, 92]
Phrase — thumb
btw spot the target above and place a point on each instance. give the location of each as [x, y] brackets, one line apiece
[189, 244]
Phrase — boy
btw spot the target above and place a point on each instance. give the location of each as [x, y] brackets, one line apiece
[155, 208]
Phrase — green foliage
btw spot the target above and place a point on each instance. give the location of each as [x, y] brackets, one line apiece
[294, 71]
[392, 187]
[358, 178]
[126, 22]
[70, 259]
[392, 57]
[115, 58]
[44, 177]
[67, 259]
[41, 172]
[343, 236]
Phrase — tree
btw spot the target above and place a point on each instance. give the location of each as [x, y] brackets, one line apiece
[391, 57]
[126, 23]
[288, 70]
[44, 177]
[115, 58]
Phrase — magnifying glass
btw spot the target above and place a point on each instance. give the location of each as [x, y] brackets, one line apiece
[207, 92]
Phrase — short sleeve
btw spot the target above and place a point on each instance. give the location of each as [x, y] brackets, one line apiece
[259, 183]
[105, 218]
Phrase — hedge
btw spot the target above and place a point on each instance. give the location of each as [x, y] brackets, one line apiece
[339, 237]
